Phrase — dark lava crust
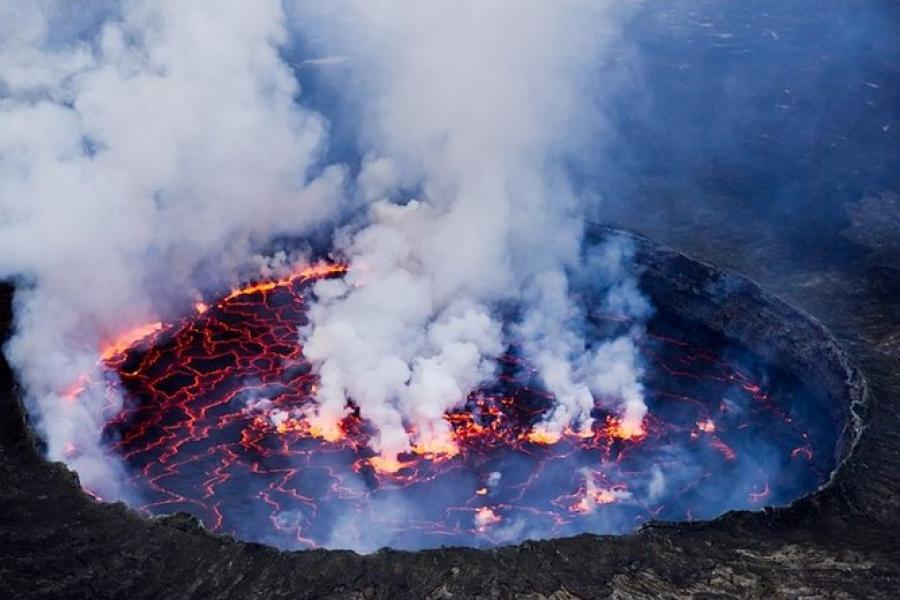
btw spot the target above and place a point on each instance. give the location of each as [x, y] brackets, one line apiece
[842, 541]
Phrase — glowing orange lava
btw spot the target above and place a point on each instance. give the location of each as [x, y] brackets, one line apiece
[128, 339]
[387, 464]
[436, 448]
[543, 436]
[486, 517]
[218, 418]
[706, 426]
[316, 271]
[73, 391]
[621, 430]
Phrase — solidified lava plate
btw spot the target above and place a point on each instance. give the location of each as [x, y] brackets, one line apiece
[213, 424]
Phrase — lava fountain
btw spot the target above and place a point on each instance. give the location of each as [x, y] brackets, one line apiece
[214, 425]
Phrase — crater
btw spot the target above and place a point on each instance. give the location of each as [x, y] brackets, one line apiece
[751, 404]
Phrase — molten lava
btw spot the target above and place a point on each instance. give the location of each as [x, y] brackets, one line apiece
[217, 423]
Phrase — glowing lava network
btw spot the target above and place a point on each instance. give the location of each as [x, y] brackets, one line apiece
[214, 425]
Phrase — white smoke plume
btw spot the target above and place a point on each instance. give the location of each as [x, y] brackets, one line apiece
[580, 376]
[155, 148]
[476, 106]
[154, 151]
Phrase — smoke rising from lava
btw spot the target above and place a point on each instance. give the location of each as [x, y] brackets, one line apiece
[153, 154]
[475, 106]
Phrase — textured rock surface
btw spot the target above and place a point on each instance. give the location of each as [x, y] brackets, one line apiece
[873, 223]
[842, 541]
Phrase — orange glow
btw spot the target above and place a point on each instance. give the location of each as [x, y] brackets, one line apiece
[321, 269]
[485, 517]
[706, 426]
[233, 415]
[444, 448]
[584, 432]
[290, 425]
[543, 436]
[583, 506]
[124, 341]
[595, 496]
[589, 501]
[330, 432]
[603, 497]
[73, 391]
[387, 464]
[128, 339]
[624, 431]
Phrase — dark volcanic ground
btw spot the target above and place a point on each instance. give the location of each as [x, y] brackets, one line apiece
[759, 135]
[55, 542]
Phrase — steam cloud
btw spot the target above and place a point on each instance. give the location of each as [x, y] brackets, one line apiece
[148, 156]
[155, 149]
[476, 106]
